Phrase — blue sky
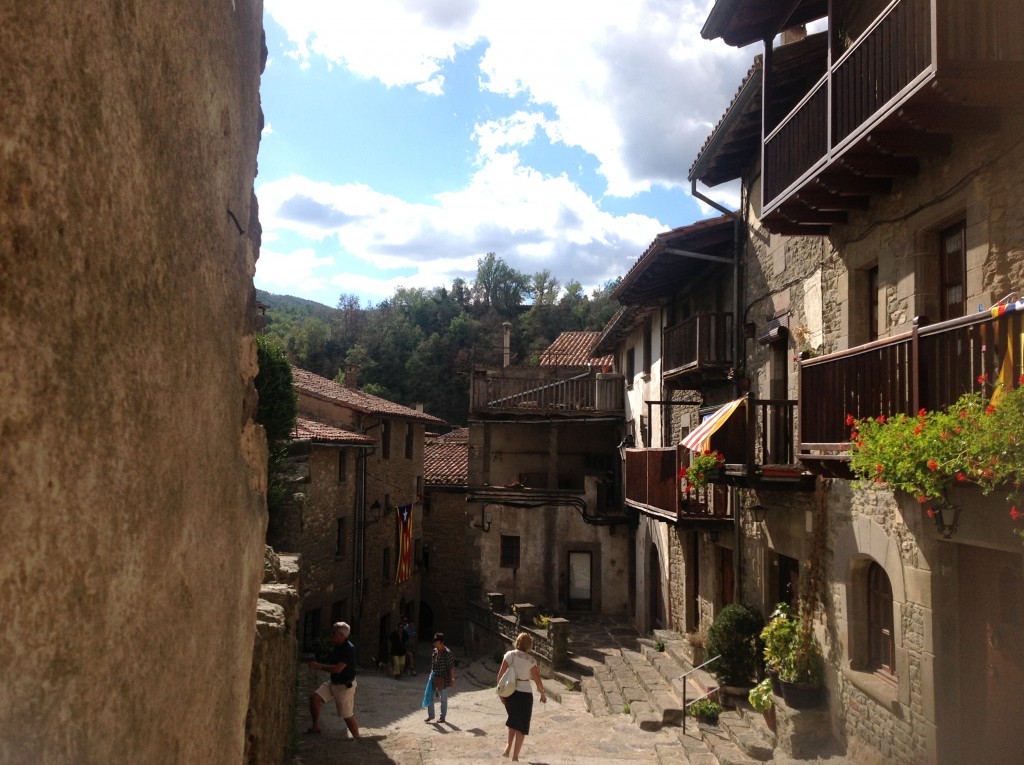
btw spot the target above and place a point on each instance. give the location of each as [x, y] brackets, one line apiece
[405, 140]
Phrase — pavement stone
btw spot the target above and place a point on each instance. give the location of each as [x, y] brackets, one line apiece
[391, 722]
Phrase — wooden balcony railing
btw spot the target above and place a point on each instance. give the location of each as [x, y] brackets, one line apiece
[653, 486]
[892, 59]
[546, 391]
[929, 367]
[759, 449]
[700, 342]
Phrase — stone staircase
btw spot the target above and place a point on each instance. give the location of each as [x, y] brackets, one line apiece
[647, 685]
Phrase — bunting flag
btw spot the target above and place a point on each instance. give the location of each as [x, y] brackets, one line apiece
[699, 438]
[404, 544]
[1009, 350]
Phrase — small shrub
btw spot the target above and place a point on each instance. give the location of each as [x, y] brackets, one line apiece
[659, 646]
[625, 709]
[705, 709]
[734, 638]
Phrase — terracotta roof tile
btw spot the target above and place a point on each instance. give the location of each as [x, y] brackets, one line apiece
[573, 349]
[328, 390]
[446, 462]
[320, 433]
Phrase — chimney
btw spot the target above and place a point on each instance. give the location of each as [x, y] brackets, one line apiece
[351, 376]
[506, 332]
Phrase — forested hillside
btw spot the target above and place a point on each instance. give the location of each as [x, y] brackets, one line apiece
[420, 345]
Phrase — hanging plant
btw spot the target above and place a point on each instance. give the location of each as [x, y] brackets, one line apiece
[700, 469]
[979, 440]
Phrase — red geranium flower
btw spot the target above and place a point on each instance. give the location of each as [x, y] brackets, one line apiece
[961, 477]
[989, 409]
[933, 465]
[1015, 513]
[981, 379]
[850, 420]
[881, 419]
[879, 468]
[682, 471]
[931, 513]
[922, 499]
[922, 412]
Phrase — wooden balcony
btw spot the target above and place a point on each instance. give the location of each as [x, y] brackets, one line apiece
[699, 347]
[922, 70]
[654, 488]
[929, 367]
[759, 449]
[546, 392]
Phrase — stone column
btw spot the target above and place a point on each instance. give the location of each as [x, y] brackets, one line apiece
[558, 632]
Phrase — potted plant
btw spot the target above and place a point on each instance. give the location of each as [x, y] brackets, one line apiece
[803, 669]
[733, 638]
[760, 698]
[705, 710]
[778, 636]
[703, 467]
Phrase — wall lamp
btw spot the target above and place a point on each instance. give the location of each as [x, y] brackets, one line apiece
[373, 514]
[757, 512]
[946, 527]
[485, 520]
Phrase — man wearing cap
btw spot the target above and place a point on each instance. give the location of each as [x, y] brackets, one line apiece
[341, 663]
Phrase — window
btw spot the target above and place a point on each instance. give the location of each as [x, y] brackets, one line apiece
[417, 552]
[386, 567]
[648, 346]
[509, 551]
[339, 539]
[953, 271]
[408, 440]
[871, 277]
[881, 643]
[630, 366]
[385, 439]
[342, 465]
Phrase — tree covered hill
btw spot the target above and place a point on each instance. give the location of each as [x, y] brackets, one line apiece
[420, 345]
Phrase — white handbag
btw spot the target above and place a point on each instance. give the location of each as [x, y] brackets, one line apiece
[507, 681]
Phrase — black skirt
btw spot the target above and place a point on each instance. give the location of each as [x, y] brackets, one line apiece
[520, 709]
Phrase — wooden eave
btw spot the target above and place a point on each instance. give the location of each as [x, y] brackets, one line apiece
[742, 22]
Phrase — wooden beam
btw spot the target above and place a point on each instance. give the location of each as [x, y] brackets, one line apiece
[818, 197]
[911, 143]
[879, 165]
[841, 182]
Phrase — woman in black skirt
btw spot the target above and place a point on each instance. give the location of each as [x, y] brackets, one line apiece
[520, 704]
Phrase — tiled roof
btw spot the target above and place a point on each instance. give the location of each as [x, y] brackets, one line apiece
[320, 433]
[573, 349]
[446, 459]
[328, 390]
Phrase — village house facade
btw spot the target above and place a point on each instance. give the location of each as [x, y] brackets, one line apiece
[447, 536]
[360, 478]
[880, 225]
[547, 525]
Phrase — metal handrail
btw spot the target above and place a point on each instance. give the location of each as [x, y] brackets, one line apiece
[682, 679]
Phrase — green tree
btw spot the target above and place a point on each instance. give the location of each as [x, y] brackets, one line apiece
[276, 412]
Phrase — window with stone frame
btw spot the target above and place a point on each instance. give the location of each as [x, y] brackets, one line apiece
[385, 439]
[409, 430]
[881, 641]
[630, 366]
[953, 271]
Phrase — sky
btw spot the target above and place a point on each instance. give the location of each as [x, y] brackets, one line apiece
[406, 139]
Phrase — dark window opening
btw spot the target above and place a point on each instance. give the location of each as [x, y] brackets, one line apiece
[509, 551]
[408, 440]
[339, 539]
[881, 640]
[953, 265]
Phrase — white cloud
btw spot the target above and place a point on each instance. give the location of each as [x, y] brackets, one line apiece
[630, 82]
[293, 271]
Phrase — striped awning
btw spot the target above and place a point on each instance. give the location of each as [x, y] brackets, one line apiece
[699, 437]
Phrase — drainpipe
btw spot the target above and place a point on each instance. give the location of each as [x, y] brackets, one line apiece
[737, 345]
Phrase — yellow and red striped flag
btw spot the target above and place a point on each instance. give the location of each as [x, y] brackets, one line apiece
[404, 544]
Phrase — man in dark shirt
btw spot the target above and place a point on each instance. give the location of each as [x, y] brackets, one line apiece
[341, 688]
[396, 648]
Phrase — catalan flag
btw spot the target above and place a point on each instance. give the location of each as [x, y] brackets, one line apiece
[404, 518]
[699, 438]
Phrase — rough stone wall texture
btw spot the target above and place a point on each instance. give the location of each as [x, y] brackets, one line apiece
[383, 598]
[131, 474]
[269, 725]
[447, 536]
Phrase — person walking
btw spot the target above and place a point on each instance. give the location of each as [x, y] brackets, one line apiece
[396, 648]
[410, 646]
[341, 688]
[520, 704]
[442, 677]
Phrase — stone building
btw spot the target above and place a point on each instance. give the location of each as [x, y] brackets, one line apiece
[547, 524]
[351, 520]
[132, 475]
[446, 536]
[878, 224]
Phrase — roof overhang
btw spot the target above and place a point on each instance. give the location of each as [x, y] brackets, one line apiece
[742, 22]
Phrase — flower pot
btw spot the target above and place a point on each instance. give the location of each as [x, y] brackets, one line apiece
[773, 675]
[801, 695]
[707, 719]
[769, 718]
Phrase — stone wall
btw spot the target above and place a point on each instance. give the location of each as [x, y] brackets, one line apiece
[270, 723]
[445, 575]
[132, 476]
